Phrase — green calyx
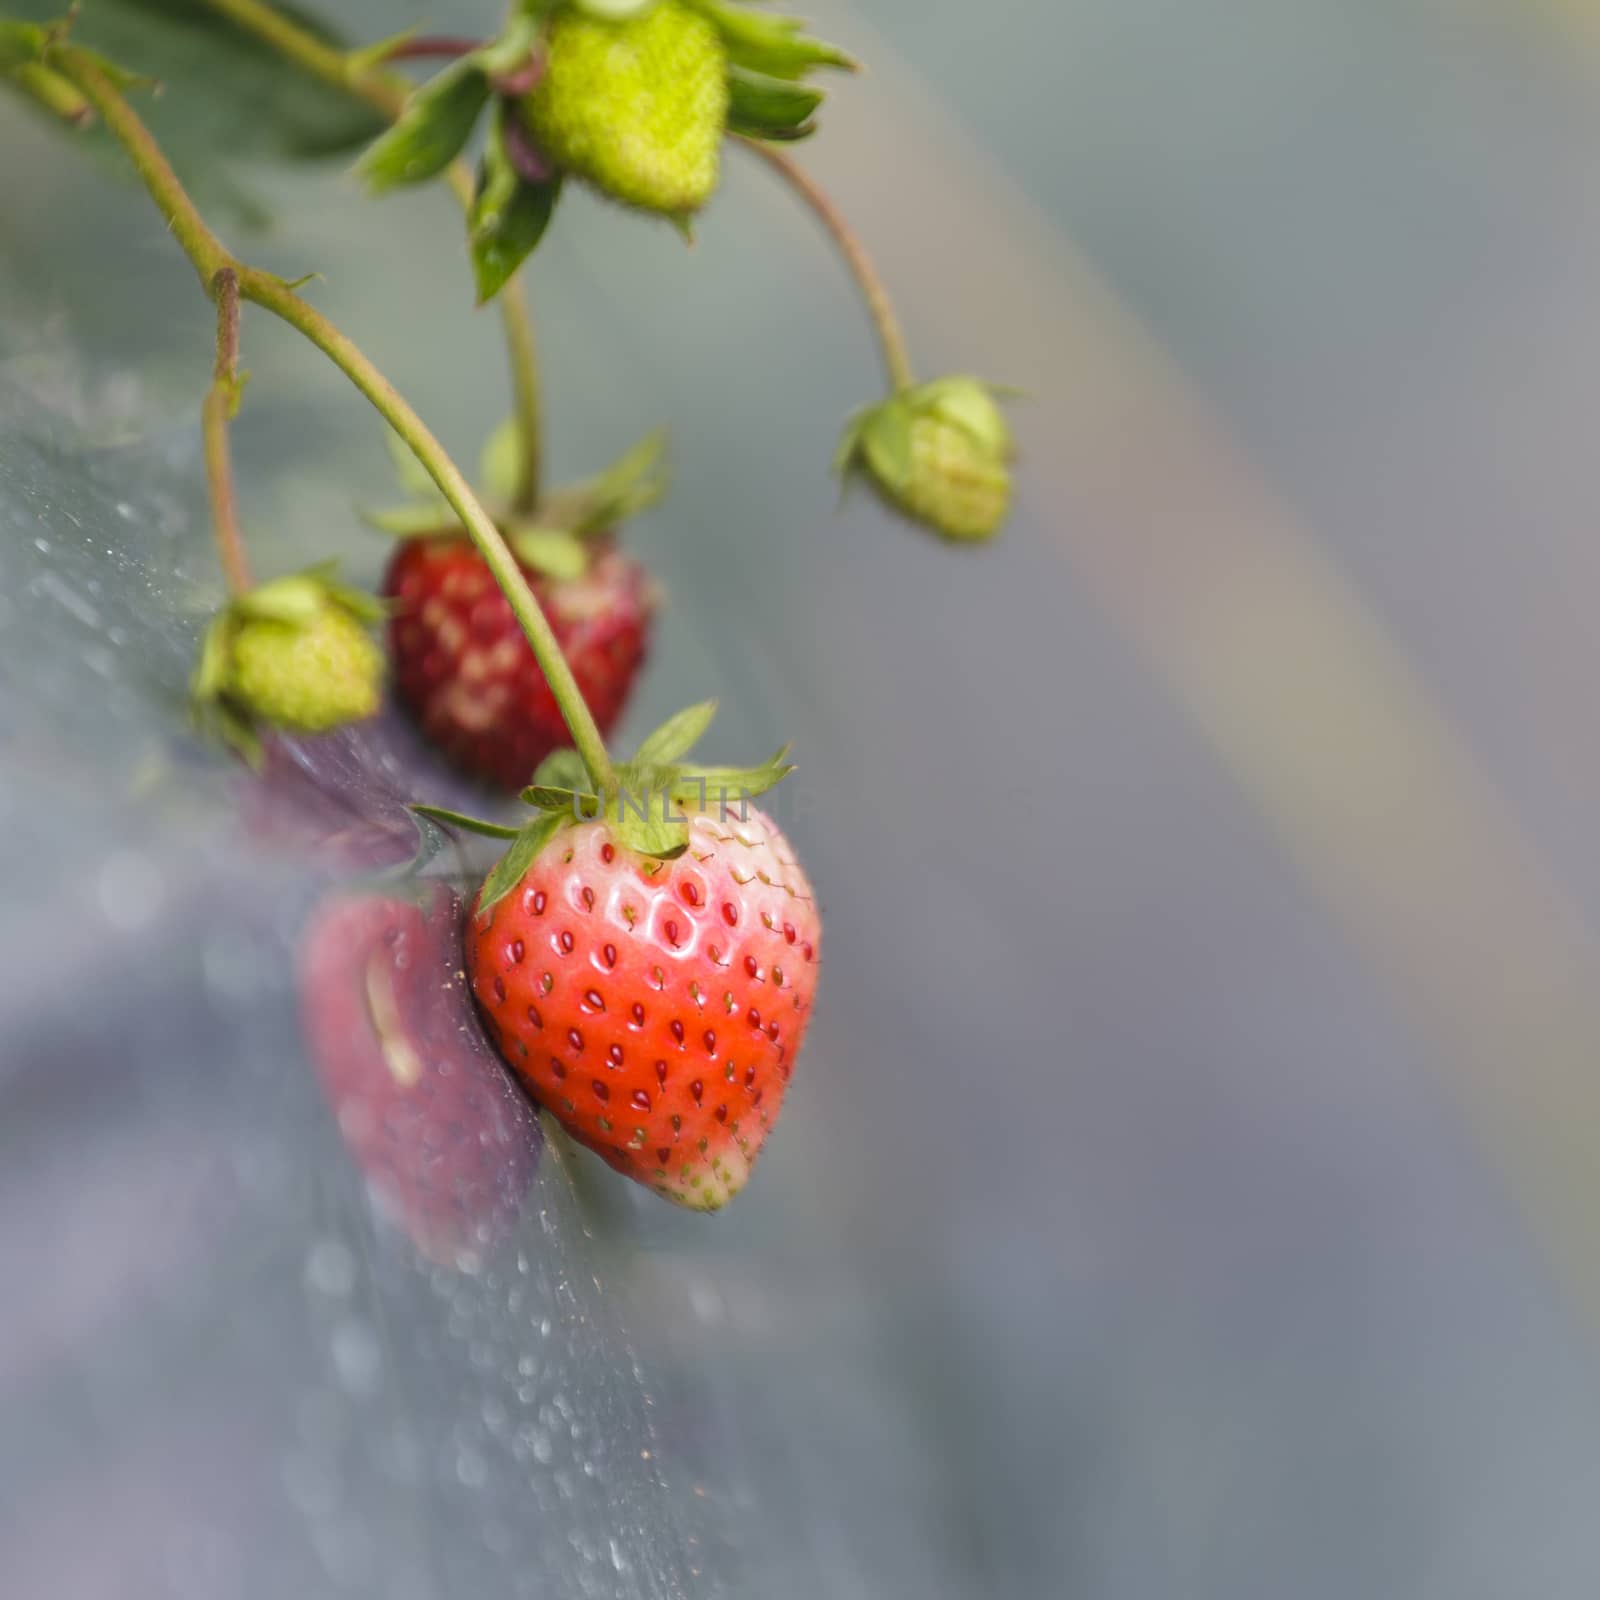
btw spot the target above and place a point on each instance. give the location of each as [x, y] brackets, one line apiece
[769, 58]
[294, 654]
[939, 454]
[649, 810]
[558, 539]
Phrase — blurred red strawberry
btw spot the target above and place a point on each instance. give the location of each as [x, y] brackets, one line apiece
[462, 667]
[446, 1143]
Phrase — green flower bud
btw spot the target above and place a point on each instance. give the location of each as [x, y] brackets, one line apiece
[939, 454]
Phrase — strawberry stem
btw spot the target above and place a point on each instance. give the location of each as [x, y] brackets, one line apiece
[216, 411]
[224, 277]
[896, 355]
[427, 46]
[269, 292]
[524, 358]
[386, 93]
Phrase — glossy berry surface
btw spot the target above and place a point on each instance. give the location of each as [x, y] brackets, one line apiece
[657, 1008]
[467, 675]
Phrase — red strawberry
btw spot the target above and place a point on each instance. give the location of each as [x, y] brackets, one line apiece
[656, 1007]
[647, 962]
[446, 1145]
[466, 673]
[462, 666]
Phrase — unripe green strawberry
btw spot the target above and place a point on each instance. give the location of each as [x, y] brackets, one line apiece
[939, 454]
[635, 106]
[294, 654]
[307, 677]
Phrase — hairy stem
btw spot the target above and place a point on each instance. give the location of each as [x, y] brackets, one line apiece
[222, 276]
[216, 411]
[386, 93]
[206, 252]
[896, 357]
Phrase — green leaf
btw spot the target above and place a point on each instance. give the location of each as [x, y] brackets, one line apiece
[525, 849]
[575, 803]
[562, 769]
[648, 821]
[500, 463]
[437, 121]
[765, 108]
[295, 599]
[774, 46]
[968, 404]
[509, 213]
[414, 521]
[553, 552]
[21, 44]
[631, 484]
[613, 10]
[362, 606]
[503, 238]
[218, 719]
[678, 735]
[706, 786]
[458, 819]
[850, 441]
[119, 76]
[212, 672]
[886, 444]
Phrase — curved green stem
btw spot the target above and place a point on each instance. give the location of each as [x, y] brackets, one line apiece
[269, 292]
[896, 355]
[206, 252]
[386, 93]
[524, 358]
[217, 410]
[218, 269]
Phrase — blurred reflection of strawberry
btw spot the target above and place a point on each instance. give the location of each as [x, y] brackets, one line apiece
[341, 799]
[447, 1144]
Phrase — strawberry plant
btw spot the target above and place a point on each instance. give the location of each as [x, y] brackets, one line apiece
[644, 954]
